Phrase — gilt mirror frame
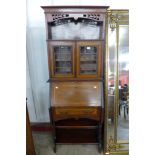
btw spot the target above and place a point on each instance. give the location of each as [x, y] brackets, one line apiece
[115, 18]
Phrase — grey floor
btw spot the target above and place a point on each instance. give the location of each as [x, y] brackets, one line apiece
[122, 129]
[43, 141]
[123, 126]
[43, 146]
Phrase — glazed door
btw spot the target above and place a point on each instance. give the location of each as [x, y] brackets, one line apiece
[61, 59]
[89, 59]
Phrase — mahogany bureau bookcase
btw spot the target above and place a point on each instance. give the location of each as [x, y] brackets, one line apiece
[76, 48]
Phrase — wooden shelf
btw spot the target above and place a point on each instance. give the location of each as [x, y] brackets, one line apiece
[77, 127]
[62, 60]
[88, 60]
[63, 67]
[88, 54]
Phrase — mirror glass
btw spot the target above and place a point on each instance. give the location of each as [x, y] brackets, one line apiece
[111, 81]
[123, 71]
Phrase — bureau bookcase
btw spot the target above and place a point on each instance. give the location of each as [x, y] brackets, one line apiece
[76, 48]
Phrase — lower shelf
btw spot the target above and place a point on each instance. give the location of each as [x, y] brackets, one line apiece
[76, 136]
[76, 122]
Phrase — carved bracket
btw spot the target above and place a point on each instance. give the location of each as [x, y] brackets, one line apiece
[113, 21]
[112, 146]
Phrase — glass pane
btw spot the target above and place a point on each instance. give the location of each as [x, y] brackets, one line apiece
[111, 82]
[123, 117]
[63, 60]
[88, 60]
[75, 31]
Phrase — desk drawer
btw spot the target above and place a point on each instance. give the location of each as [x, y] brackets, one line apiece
[88, 112]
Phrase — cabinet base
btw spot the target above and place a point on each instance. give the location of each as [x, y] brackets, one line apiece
[77, 136]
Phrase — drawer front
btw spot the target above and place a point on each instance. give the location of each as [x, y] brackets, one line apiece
[63, 113]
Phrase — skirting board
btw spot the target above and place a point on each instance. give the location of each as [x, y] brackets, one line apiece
[41, 127]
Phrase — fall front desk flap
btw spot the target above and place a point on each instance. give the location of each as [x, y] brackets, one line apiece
[76, 94]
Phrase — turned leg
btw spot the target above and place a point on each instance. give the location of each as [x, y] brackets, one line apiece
[127, 109]
[124, 112]
[100, 138]
[119, 109]
[53, 131]
[54, 148]
[54, 138]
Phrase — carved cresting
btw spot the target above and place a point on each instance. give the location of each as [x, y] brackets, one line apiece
[61, 18]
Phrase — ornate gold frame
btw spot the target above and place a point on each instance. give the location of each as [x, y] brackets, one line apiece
[111, 145]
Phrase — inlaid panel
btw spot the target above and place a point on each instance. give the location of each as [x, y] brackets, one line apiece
[76, 113]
